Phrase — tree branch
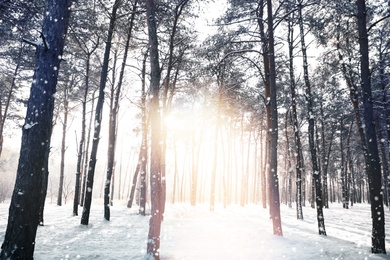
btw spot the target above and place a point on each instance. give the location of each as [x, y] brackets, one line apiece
[375, 23]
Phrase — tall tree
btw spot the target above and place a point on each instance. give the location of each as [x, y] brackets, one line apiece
[272, 125]
[19, 239]
[297, 134]
[373, 161]
[113, 117]
[80, 152]
[311, 126]
[86, 44]
[153, 244]
[144, 144]
[99, 114]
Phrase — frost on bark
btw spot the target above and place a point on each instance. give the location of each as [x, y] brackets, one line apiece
[24, 211]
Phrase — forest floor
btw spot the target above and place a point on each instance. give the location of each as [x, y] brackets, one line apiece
[196, 233]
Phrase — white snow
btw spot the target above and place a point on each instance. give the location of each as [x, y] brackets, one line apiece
[196, 233]
[29, 125]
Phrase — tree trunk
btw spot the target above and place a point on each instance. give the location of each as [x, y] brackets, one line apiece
[153, 244]
[86, 161]
[145, 123]
[63, 146]
[23, 218]
[45, 180]
[325, 154]
[266, 56]
[373, 162]
[272, 126]
[297, 136]
[80, 151]
[263, 174]
[311, 116]
[288, 164]
[98, 117]
[349, 169]
[343, 168]
[112, 132]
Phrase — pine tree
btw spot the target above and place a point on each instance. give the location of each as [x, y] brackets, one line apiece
[23, 220]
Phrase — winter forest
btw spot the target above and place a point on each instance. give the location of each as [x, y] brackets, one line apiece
[138, 128]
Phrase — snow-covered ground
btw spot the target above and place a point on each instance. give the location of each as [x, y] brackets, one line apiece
[196, 233]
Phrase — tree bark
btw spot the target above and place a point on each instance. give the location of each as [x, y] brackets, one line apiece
[272, 125]
[311, 116]
[343, 168]
[63, 146]
[23, 219]
[297, 135]
[86, 161]
[265, 50]
[373, 162]
[153, 244]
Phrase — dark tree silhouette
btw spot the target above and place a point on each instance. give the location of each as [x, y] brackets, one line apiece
[272, 125]
[372, 157]
[98, 116]
[19, 240]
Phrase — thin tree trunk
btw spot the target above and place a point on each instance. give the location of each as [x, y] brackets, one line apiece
[81, 146]
[81, 154]
[265, 48]
[114, 109]
[98, 117]
[145, 123]
[288, 164]
[325, 154]
[86, 161]
[135, 177]
[313, 150]
[63, 146]
[343, 167]
[349, 168]
[297, 136]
